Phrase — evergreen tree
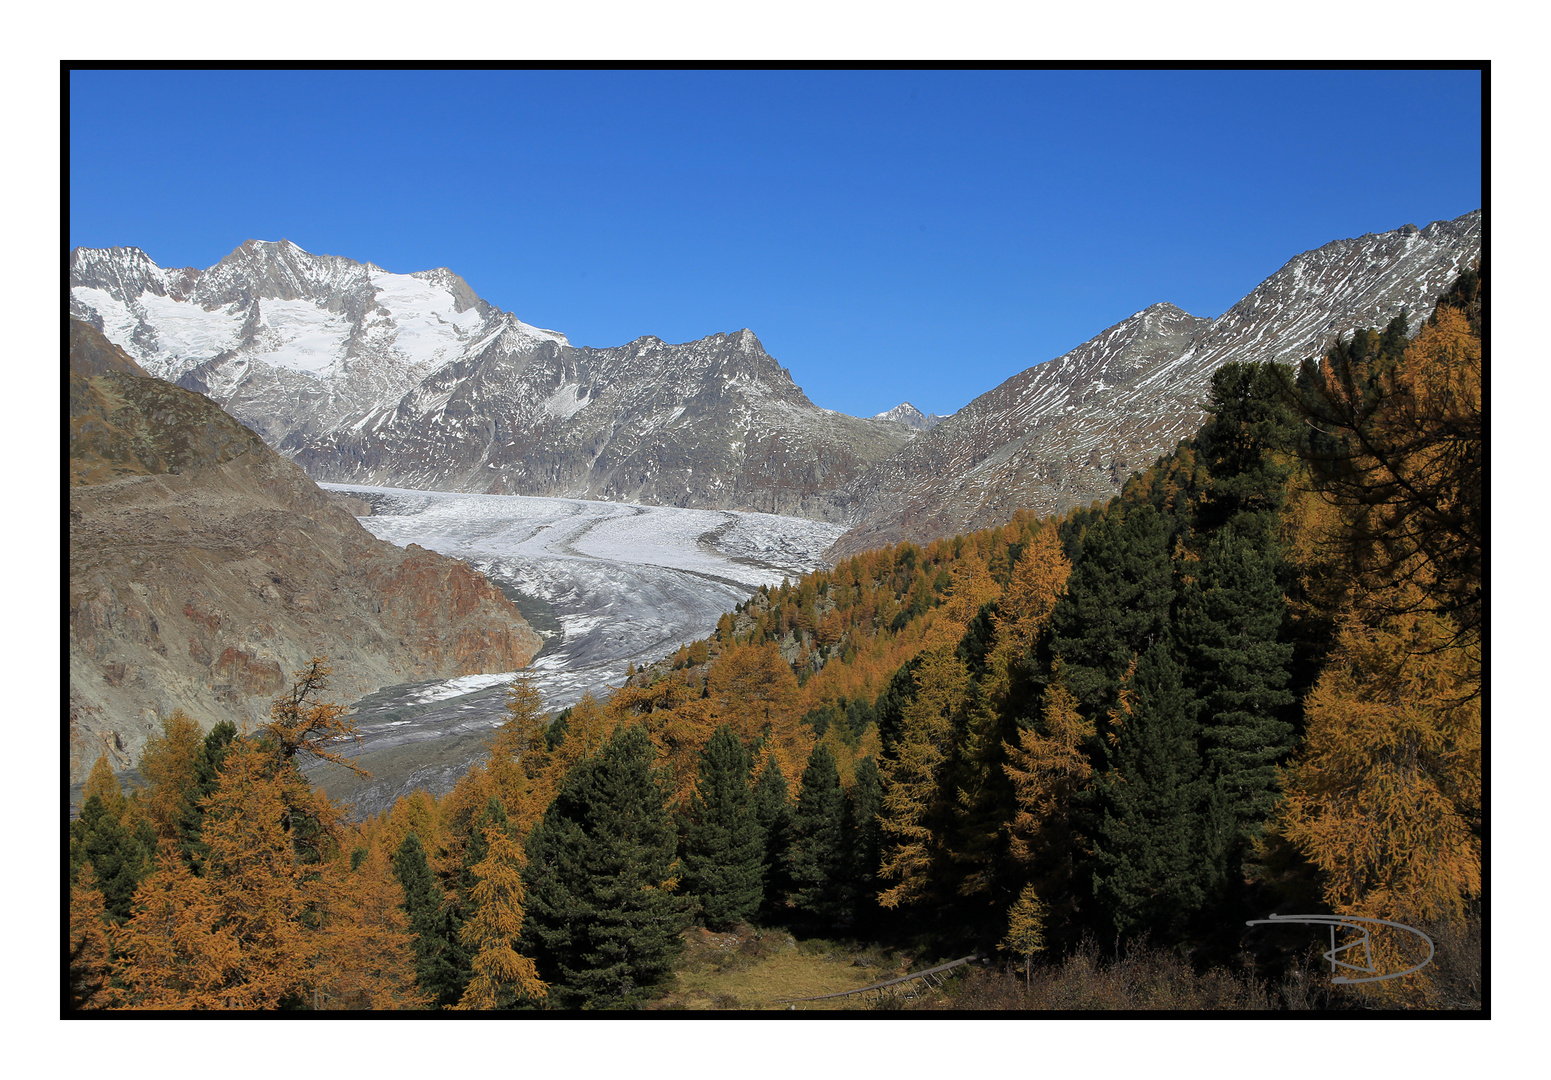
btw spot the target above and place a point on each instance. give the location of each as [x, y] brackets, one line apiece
[816, 848]
[1243, 446]
[724, 847]
[442, 963]
[889, 710]
[121, 859]
[1148, 867]
[603, 916]
[772, 815]
[207, 773]
[1228, 625]
[1116, 604]
[864, 839]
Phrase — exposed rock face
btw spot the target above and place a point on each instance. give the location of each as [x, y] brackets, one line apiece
[714, 423]
[362, 376]
[205, 570]
[1071, 430]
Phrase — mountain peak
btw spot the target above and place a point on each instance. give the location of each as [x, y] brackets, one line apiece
[912, 417]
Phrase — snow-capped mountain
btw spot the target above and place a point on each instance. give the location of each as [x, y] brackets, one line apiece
[1072, 429]
[290, 343]
[411, 380]
[912, 417]
[362, 376]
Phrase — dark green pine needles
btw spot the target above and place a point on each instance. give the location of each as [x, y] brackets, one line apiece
[442, 963]
[603, 914]
[815, 854]
[724, 846]
[1149, 868]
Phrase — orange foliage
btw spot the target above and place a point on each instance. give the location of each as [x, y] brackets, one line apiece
[1046, 770]
[364, 954]
[168, 764]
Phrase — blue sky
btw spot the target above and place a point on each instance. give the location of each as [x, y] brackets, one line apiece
[889, 236]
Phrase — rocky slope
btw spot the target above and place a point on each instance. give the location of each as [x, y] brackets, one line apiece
[713, 424]
[1072, 429]
[205, 569]
[362, 376]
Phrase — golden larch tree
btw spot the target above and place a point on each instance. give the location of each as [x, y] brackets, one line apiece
[912, 788]
[90, 967]
[102, 783]
[1385, 797]
[364, 954]
[501, 974]
[169, 764]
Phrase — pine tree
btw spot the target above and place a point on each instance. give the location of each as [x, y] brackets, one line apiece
[864, 840]
[442, 963]
[724, 847]
[772, 814]
[120, 859]
[1149, 869]
[816, 846]
[207, 769]
[502, 976]
[1228, 626]
[1117, 602]
[603, 915]
[1243, 446]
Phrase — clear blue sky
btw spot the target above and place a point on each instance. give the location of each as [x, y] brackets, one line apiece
[913, 236]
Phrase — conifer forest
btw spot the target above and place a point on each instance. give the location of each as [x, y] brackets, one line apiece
[1249, 684]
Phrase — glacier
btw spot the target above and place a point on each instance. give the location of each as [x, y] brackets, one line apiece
[627, 584]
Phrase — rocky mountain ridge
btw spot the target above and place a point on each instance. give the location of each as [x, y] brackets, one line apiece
[1070, 430]
[362, 376]
[367, 377]
[205, 569]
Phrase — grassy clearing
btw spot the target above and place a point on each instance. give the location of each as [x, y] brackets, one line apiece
[753, 969]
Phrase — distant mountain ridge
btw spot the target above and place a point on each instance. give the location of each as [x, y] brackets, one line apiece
[362, 376]
[1072, 429]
